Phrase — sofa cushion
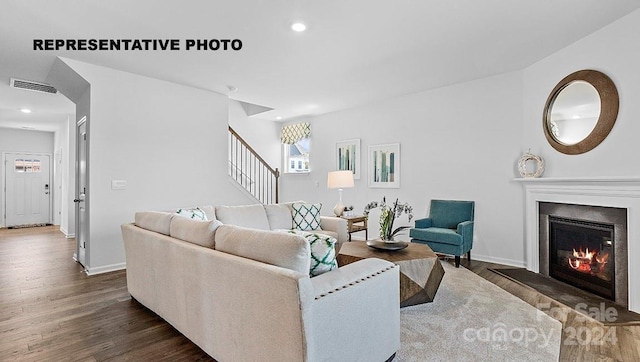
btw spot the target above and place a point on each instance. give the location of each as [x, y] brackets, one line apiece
[271, 247]
[248, 216]
[441, 235]
[194, 231]
[306, 216]
[279, 216]
[323, 251]
[156, 221]
[194, 213]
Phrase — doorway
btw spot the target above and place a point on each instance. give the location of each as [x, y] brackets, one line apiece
[27, 189]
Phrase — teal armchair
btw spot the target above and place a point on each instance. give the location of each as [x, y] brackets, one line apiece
[448, 229]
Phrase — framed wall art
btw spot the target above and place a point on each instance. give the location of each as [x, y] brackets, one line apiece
[348, 156]
[384, 166]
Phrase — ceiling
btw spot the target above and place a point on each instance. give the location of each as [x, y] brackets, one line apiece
[353, 52]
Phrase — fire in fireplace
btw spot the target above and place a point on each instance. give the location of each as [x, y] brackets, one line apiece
[582, 253]
[592, 262]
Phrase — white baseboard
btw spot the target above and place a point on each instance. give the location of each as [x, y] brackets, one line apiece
[105, 269]
[493, 259]
[66, 233]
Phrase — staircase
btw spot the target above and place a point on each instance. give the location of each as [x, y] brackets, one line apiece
[251, 171]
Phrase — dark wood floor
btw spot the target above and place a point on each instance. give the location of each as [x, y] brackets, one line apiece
[51, 311]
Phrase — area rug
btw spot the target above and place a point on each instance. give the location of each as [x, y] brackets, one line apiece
[472, 319]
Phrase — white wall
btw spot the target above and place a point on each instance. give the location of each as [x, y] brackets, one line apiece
[262, 135]
[614, 51]
[18, 140]
[457, 142]
[168, 141]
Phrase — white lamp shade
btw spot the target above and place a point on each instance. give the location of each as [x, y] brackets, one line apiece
[340, 179]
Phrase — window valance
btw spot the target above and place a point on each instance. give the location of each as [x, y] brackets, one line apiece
[293, 133]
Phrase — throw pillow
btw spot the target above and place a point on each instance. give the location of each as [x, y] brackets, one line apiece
[195, 214]
[323, 251]
[306, 216]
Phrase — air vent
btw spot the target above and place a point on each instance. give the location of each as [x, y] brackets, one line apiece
[32, 86]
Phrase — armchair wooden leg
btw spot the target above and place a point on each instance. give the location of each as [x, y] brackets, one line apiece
[469, 255]
[457, 261]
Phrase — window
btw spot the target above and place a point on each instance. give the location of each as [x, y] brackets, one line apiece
[295, 144]
[21, 165]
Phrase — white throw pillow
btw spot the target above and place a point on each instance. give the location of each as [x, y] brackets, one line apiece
[194, 214]
[209, 212]
[323, 251]
[306, 216]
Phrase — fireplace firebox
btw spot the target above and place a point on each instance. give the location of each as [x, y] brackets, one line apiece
[582, 253]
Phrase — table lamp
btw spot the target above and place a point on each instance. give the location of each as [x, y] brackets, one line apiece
[339, 180]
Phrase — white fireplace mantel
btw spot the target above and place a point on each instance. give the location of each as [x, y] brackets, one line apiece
[621, 192]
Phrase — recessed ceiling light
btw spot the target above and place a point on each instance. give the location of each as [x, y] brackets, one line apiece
[299, 27]
[25, 110]
[278, 117]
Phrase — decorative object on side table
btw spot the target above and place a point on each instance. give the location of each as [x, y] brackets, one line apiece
[388, 214]
[348, 211]
[339, 180]
[538, 168]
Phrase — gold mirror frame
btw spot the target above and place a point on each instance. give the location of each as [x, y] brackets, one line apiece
[609, 104]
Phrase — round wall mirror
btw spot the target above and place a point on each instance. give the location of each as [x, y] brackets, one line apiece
[580, 112]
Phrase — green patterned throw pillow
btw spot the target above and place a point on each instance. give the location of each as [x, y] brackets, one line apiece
[306, 216]
[323, 252]
[195, 214]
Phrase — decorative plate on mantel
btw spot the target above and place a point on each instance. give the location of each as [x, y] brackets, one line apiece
[387, 245]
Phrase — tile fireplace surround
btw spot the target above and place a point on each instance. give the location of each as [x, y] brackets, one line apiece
[621, 192]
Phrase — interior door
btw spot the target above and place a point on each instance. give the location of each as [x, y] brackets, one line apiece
[28, 189]
[81, 191]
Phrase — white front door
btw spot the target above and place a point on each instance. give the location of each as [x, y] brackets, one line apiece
[28, 189]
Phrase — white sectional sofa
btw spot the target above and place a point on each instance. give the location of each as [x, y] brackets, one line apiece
[244, 294]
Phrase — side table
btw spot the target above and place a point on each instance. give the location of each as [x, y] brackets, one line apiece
[355, 224]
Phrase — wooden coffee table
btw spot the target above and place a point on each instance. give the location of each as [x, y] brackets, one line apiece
[420, 269]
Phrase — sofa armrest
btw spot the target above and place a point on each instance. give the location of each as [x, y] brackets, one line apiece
[465, 229]
[338, 225]
[346, 275]
[423, 223]
[359, 299]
